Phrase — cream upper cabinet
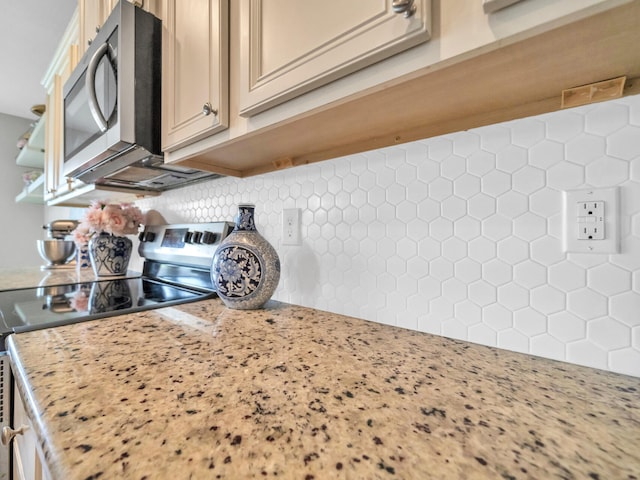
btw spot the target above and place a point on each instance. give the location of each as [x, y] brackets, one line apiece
[93, 14]
[195, 100]
[291, 102]
[62, 64]
[288, 47]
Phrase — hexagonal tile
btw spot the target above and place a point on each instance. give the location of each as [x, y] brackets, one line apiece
[440, 189]
[626, 308]
[566, 327]
[563, 126]
[629, 258]
[441, 268]
[607, 171]
[440, 309]
[466, 228]
[468, 313]
[482, 293]
[405, 173]
[428, 248]
[529, 321]
[529, 226]
[416, 153]
[482, 334]
[586, 303]
[546, 154]
[547, 251]
[528, 179]
[585, 148]
[482, 249]
[567, 276]
[606, 118]
[428, 170]
[465, 143]
[625, 361]
[454, 249]
[512, 204]
[467, 270]
[547, 299]
[496, 272]
[481, 162]
[511, 158]
[496, 227]
[395, 194]
[406, 211]
[546, 202]
[494, 137]
[527, 132]
[547, 346]
[441, 228]
[529, 274]
[512, 339]
[428, 210]
[513, 296]
[496, 183]
[453, 208]
[417, 191]
[452, 167]
[609, 279]
[497, 317]
[608, 333]
[565, 175]
[585, 352]
[481, 206]
[624, 143]
[513, 250]
[440, 148]
[466, 186]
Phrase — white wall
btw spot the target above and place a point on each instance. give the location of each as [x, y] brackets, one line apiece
[22, 222]
[460, 235]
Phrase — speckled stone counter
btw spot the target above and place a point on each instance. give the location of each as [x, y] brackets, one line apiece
[27, 277]
[200, 391]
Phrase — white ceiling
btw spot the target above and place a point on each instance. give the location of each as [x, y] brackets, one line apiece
[29, 34]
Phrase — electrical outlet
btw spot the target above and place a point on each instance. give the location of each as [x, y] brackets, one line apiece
[590, 217]
[591, 220]
[291, 234]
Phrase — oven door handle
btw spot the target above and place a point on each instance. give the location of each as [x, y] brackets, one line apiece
[94, 108]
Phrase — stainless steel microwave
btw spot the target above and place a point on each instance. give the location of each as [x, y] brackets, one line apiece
[112, 108]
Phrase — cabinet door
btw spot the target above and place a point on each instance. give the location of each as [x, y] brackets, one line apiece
[288, 47]
[27, 464]
[195, 70]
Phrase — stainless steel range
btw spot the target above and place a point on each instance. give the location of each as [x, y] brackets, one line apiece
[176, 270]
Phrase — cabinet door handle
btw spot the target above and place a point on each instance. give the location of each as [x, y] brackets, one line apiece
[404, 6]
[207, 109]
[9, 433]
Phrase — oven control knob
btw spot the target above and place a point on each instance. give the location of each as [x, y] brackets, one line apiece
[208, 238]
[188, 237]
[146, 236]
[197, 237]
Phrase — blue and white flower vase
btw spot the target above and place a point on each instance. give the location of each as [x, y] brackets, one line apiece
[246, 268]
[109, 254]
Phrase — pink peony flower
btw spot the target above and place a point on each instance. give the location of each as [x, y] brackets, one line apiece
[119, 220]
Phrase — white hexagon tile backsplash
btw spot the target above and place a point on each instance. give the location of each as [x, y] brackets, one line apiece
[460, 235]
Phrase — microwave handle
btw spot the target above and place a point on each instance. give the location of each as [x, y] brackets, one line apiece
[90, 80]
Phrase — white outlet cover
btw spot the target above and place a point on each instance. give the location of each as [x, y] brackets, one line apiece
[611, 241]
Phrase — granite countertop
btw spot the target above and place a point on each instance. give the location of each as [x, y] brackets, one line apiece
[28, 277]
[201, 391]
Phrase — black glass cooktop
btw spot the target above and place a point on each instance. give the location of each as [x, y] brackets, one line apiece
[33, 308]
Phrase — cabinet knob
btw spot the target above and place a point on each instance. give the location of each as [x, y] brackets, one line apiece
[404, 6]
[8, 433]
[207, 109]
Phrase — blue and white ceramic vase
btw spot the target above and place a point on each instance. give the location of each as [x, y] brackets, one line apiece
[109, 254]
[246, 268]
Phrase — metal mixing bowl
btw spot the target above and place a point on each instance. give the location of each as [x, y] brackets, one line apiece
[56, 252]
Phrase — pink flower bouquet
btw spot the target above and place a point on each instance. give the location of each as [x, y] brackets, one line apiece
[100, 217]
